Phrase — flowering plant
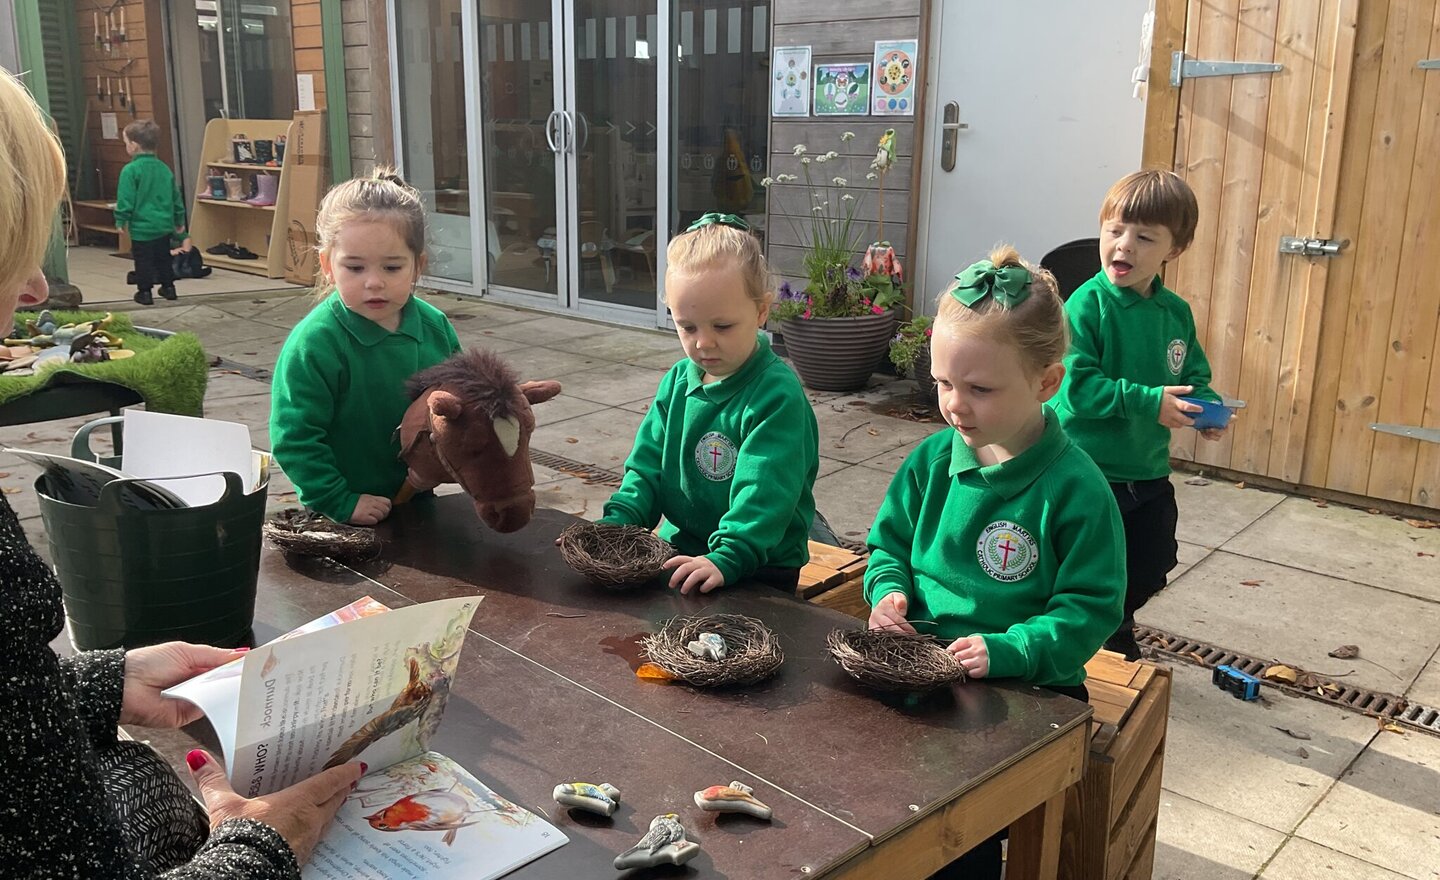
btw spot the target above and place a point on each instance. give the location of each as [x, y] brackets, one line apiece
[832, 237]
[907, 345]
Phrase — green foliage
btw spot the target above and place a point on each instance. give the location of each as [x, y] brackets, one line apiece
[912, 339]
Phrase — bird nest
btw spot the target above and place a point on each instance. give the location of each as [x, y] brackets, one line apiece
[752, 650]
[310, 534]
[614, 556]
[893, 661]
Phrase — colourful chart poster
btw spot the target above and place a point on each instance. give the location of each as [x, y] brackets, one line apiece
[842, 89]
[790, 88]
[895, 72]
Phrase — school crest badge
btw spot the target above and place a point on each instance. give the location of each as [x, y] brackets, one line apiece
[715, 456]
[1006, 551]
[1175, 356]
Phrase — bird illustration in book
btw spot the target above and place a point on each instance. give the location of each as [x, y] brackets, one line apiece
[435, 810]
[408, 706]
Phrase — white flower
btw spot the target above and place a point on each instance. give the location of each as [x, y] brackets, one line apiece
[799, 149]
[767, 181]
[805, 160]
[817, 209]
[839, 181]
[785, 178]
[872, 176]
[823, 157]
[847, 135]
[832, 155]
[847, 198]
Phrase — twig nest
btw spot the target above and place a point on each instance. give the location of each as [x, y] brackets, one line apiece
[310, 534]
[751, 650]
[614, 556]
[893, 661]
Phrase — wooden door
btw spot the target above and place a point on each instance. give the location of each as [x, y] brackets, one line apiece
[1262, 152]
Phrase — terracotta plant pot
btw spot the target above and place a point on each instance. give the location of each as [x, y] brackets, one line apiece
[838, 354]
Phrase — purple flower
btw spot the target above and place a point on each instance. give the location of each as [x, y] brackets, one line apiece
[786, 292]
[853, 274]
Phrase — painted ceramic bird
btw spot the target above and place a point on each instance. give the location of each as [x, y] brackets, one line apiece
[603, 798]
[708, 646]
[408, 706]
[733, 798]
[664, 842]
[885, 152]
[435, 810]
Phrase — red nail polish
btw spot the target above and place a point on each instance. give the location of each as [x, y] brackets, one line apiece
[195, 759]
[240, 650]
[363, 768]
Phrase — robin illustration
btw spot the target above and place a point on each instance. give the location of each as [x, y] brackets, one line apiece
[435, 810]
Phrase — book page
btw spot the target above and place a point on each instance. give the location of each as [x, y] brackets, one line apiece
[427, 818]
[373, 689]
[163, 445]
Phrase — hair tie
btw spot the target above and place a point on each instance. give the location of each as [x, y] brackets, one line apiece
[1009, 286]
[723, 219]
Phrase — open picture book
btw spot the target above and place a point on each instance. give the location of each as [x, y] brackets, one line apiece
[365, 683]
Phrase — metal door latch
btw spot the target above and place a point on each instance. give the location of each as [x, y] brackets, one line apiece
[1182, 68]
[1312, 247]
[1429, 64]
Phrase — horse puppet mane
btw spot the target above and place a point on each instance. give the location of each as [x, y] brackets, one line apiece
[477, 376]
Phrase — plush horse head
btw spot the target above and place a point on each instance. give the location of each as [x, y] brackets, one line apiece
[470, 423]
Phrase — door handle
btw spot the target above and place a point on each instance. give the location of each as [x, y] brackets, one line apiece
[584, 132]
[950, 128]
[550, 131]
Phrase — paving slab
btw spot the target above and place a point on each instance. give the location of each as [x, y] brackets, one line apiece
[855, 435]
[255, 351]
[613, 384]
[890, 461]
[562, 407]
[626, 346]
[537, 362]
[1302, 860]
[548, 329]
[1230, 755]
[1386, 809]
[601, 438]
[1214, 513]
[573, 496]
[222, 384]
[829, 466]
[1194, 840]
[849, 499]
[1189, 554]
[1299, 617]
[1426, 688]
[660, 360]
[638, 406]
[472, 336]
[1369, 548]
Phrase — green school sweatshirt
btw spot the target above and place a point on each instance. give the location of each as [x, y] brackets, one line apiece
[1029, 554]
[1124, 348]
[147, 201]
[730, 466]
[338, 396]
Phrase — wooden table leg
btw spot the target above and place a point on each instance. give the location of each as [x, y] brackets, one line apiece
[1035, 842]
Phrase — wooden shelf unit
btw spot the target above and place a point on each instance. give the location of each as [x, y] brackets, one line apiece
[261, 229]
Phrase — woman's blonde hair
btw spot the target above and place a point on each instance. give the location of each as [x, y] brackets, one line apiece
[34, 165]
[1036, 327]
[721, 245]
[383, 197]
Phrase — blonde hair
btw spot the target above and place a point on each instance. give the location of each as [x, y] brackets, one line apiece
[143, 133]
[721, 245]
[1154, 198]
[383, 197]
[1036, 327]
[35, 184]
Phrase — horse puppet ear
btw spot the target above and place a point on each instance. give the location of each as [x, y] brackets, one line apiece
[539, 392]
[446, 405]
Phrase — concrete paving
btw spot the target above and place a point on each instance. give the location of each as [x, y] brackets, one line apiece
[1242, 798]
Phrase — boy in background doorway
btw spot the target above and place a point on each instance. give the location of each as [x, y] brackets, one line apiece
[148, 206]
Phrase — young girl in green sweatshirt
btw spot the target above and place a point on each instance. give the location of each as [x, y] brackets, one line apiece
[339, 387]
[1001, 536]
[729, 449]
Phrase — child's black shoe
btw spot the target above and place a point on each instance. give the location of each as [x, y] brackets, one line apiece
[168, 291]
[144, 298]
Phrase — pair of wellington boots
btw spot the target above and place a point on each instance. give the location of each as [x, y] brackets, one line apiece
[267, 187]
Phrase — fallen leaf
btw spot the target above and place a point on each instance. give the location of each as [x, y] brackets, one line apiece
[1240, 485]
[1297, 734]
[1373, 511]
[1196, 657]
[1254, 583]
[1302, 752]
[651, 672]
[873, 433]
[1280, 672]
[4, 473]
[1328, 690]
[1304, 784]
[13, 490]
[1345, 652]
[572, 439]
[1391, 726]
[1422, 524]
[1197, 481]
[1320, 502]
[1423, 553]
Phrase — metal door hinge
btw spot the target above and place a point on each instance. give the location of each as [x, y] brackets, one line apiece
[1312, 247]
[1182, 68]
[1415, 432]
[1429, 64]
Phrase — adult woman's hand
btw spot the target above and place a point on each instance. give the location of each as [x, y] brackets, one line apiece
[148, 671]
[299, 813]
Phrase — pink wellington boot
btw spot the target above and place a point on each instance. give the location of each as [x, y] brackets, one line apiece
[269, 187]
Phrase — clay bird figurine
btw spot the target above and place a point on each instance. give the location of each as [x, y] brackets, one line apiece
[733, 798]
[603, 798]
[409, 704]
[664, 842]
[884, 152]
[707, 646]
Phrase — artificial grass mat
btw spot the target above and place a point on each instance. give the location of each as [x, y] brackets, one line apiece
[169, 373]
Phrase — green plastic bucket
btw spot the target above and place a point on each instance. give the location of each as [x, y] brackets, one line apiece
[133, 577]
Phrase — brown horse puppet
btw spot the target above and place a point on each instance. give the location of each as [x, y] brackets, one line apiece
[470, 423]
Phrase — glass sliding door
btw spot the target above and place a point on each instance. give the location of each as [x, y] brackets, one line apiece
[432, 115]
[247, 59]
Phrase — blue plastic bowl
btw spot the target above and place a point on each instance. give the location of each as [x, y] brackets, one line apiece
[1213, 415]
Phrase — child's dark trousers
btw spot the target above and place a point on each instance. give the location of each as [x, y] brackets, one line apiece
[152, 264]
[1148, 511]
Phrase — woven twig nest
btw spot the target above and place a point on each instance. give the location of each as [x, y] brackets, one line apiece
[752, 651]
[310, 534]
[893, 661]
[614, 556]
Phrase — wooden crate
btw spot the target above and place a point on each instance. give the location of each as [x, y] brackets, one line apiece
[1109, 826]
[835, 578]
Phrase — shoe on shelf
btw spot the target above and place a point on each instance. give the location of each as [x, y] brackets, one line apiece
[241, 252]
[168, 292]
[144, 298]
[220, 250]
[267, 190]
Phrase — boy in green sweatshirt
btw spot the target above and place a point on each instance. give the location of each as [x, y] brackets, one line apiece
[1133, 356]
[148, 206]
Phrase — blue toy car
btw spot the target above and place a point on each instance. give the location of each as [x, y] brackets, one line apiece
[1212, 414]
[1240, 685]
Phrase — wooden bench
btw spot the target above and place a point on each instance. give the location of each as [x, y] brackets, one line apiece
[1109, 825]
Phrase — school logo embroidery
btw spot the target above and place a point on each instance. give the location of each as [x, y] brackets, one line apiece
[1006, 551]
[715, 456]
[1175, 356]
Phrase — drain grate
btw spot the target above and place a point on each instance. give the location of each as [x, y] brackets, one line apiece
[1376, 704]
[595, 476]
